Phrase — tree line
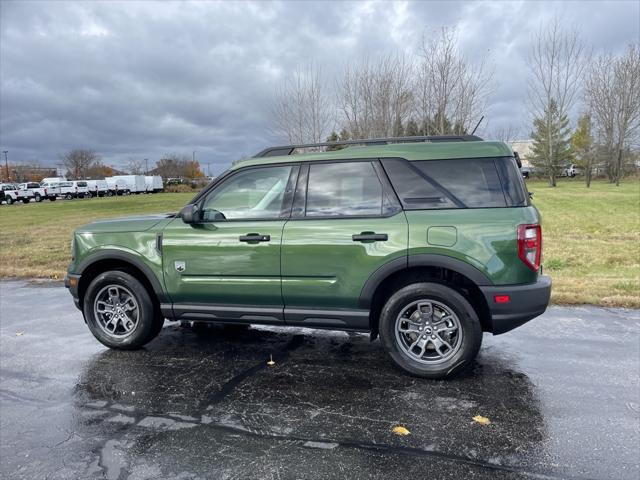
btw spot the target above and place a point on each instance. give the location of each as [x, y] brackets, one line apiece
[84, 163]
[440, 91]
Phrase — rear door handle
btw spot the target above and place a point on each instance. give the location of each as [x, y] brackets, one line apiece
[370, 237]
[255, 237]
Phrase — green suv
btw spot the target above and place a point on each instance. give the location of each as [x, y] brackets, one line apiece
[427, 242]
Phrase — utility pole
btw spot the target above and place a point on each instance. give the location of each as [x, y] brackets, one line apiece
[193, 156]
[146, 166]
[6, 163]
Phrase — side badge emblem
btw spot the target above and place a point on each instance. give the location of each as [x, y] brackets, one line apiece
[180, 266]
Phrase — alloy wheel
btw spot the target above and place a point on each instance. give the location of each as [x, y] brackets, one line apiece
[428, 331]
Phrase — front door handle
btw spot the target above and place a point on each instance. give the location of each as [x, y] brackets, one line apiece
[370, 237]
[255, 237]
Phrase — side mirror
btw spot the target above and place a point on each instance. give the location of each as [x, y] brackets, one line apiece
[189, 213]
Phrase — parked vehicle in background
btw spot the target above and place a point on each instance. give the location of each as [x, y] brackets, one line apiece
[67, 190]
[53, 180]
[135, 183]
[118, 186]
[13, 193]
[39, 192]
[153, 183]
[571, 171]
[53, 188]
[81, 188]
[98, 188]
[427, 244]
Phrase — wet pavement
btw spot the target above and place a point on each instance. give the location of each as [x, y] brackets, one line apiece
[561, 393]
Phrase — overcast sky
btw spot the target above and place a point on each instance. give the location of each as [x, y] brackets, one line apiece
[139, 80]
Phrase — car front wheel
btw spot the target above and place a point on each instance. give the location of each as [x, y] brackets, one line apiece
[119, 311]
[430, 330]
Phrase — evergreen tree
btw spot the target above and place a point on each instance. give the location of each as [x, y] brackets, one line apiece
[582, 146]
[333, 137]
[412, 129]
[551, 148]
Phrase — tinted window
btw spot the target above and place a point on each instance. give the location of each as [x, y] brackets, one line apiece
[344, 189]
[512, 182]
[251, 194]
[436, 184]
[82, 184]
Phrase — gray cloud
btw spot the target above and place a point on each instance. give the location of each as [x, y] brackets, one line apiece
[143, 79]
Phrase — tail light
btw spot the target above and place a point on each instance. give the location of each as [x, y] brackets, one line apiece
[530, 245]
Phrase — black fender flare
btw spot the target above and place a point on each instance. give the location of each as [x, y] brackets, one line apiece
[419, 260]
[113, 254]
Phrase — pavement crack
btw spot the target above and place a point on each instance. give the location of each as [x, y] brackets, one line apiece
[228, 387]
[402, 450]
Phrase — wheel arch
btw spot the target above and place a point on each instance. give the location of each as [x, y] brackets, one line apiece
[463, 277]
[106, 260]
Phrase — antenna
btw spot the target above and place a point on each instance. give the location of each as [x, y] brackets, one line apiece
[477, 124]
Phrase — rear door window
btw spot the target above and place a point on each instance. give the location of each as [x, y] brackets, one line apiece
[345, 189]
[443, 184]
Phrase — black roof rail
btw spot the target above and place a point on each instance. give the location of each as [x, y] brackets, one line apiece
[289, 149]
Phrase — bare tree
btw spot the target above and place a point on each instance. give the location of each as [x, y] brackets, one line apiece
[301, 110]
[557, 62]
[79, 161]
[613, 93]
[136, 166]
[451, 92]
[376, 98]
[507, 134]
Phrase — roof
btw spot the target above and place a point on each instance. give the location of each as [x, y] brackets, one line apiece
[409, 151]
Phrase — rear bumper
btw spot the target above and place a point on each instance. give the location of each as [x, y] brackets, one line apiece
[71, 281]
[525, 303]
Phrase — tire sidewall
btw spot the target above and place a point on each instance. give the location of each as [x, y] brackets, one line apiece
[472, 331]
[146, 321]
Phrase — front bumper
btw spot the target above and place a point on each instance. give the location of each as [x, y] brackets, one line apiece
[525, 303]
[71, 281]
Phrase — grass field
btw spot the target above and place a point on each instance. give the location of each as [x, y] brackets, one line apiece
[591, 236]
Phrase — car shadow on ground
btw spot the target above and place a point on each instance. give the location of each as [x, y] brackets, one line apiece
[331, 388]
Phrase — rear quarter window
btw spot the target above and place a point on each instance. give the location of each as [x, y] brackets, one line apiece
[461, 183]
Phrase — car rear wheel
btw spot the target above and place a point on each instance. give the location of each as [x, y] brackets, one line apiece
[38, 198]
[430, 330]
[9, 200]
[68, 196]
[119, 311]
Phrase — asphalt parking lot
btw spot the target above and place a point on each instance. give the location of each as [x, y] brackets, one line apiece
[561, 393]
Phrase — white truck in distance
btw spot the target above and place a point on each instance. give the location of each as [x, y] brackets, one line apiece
[13, 193]
[99, 188]
[39, 192]
[154, 183]
[134, 183]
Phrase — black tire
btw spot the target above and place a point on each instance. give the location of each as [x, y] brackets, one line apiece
[109, 193]
[464, 352]
[68, 196]
[89, 195]
[148, 323]
[10, 200]
[38, 198]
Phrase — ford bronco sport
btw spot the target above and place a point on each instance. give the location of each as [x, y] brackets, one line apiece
[426, 241]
